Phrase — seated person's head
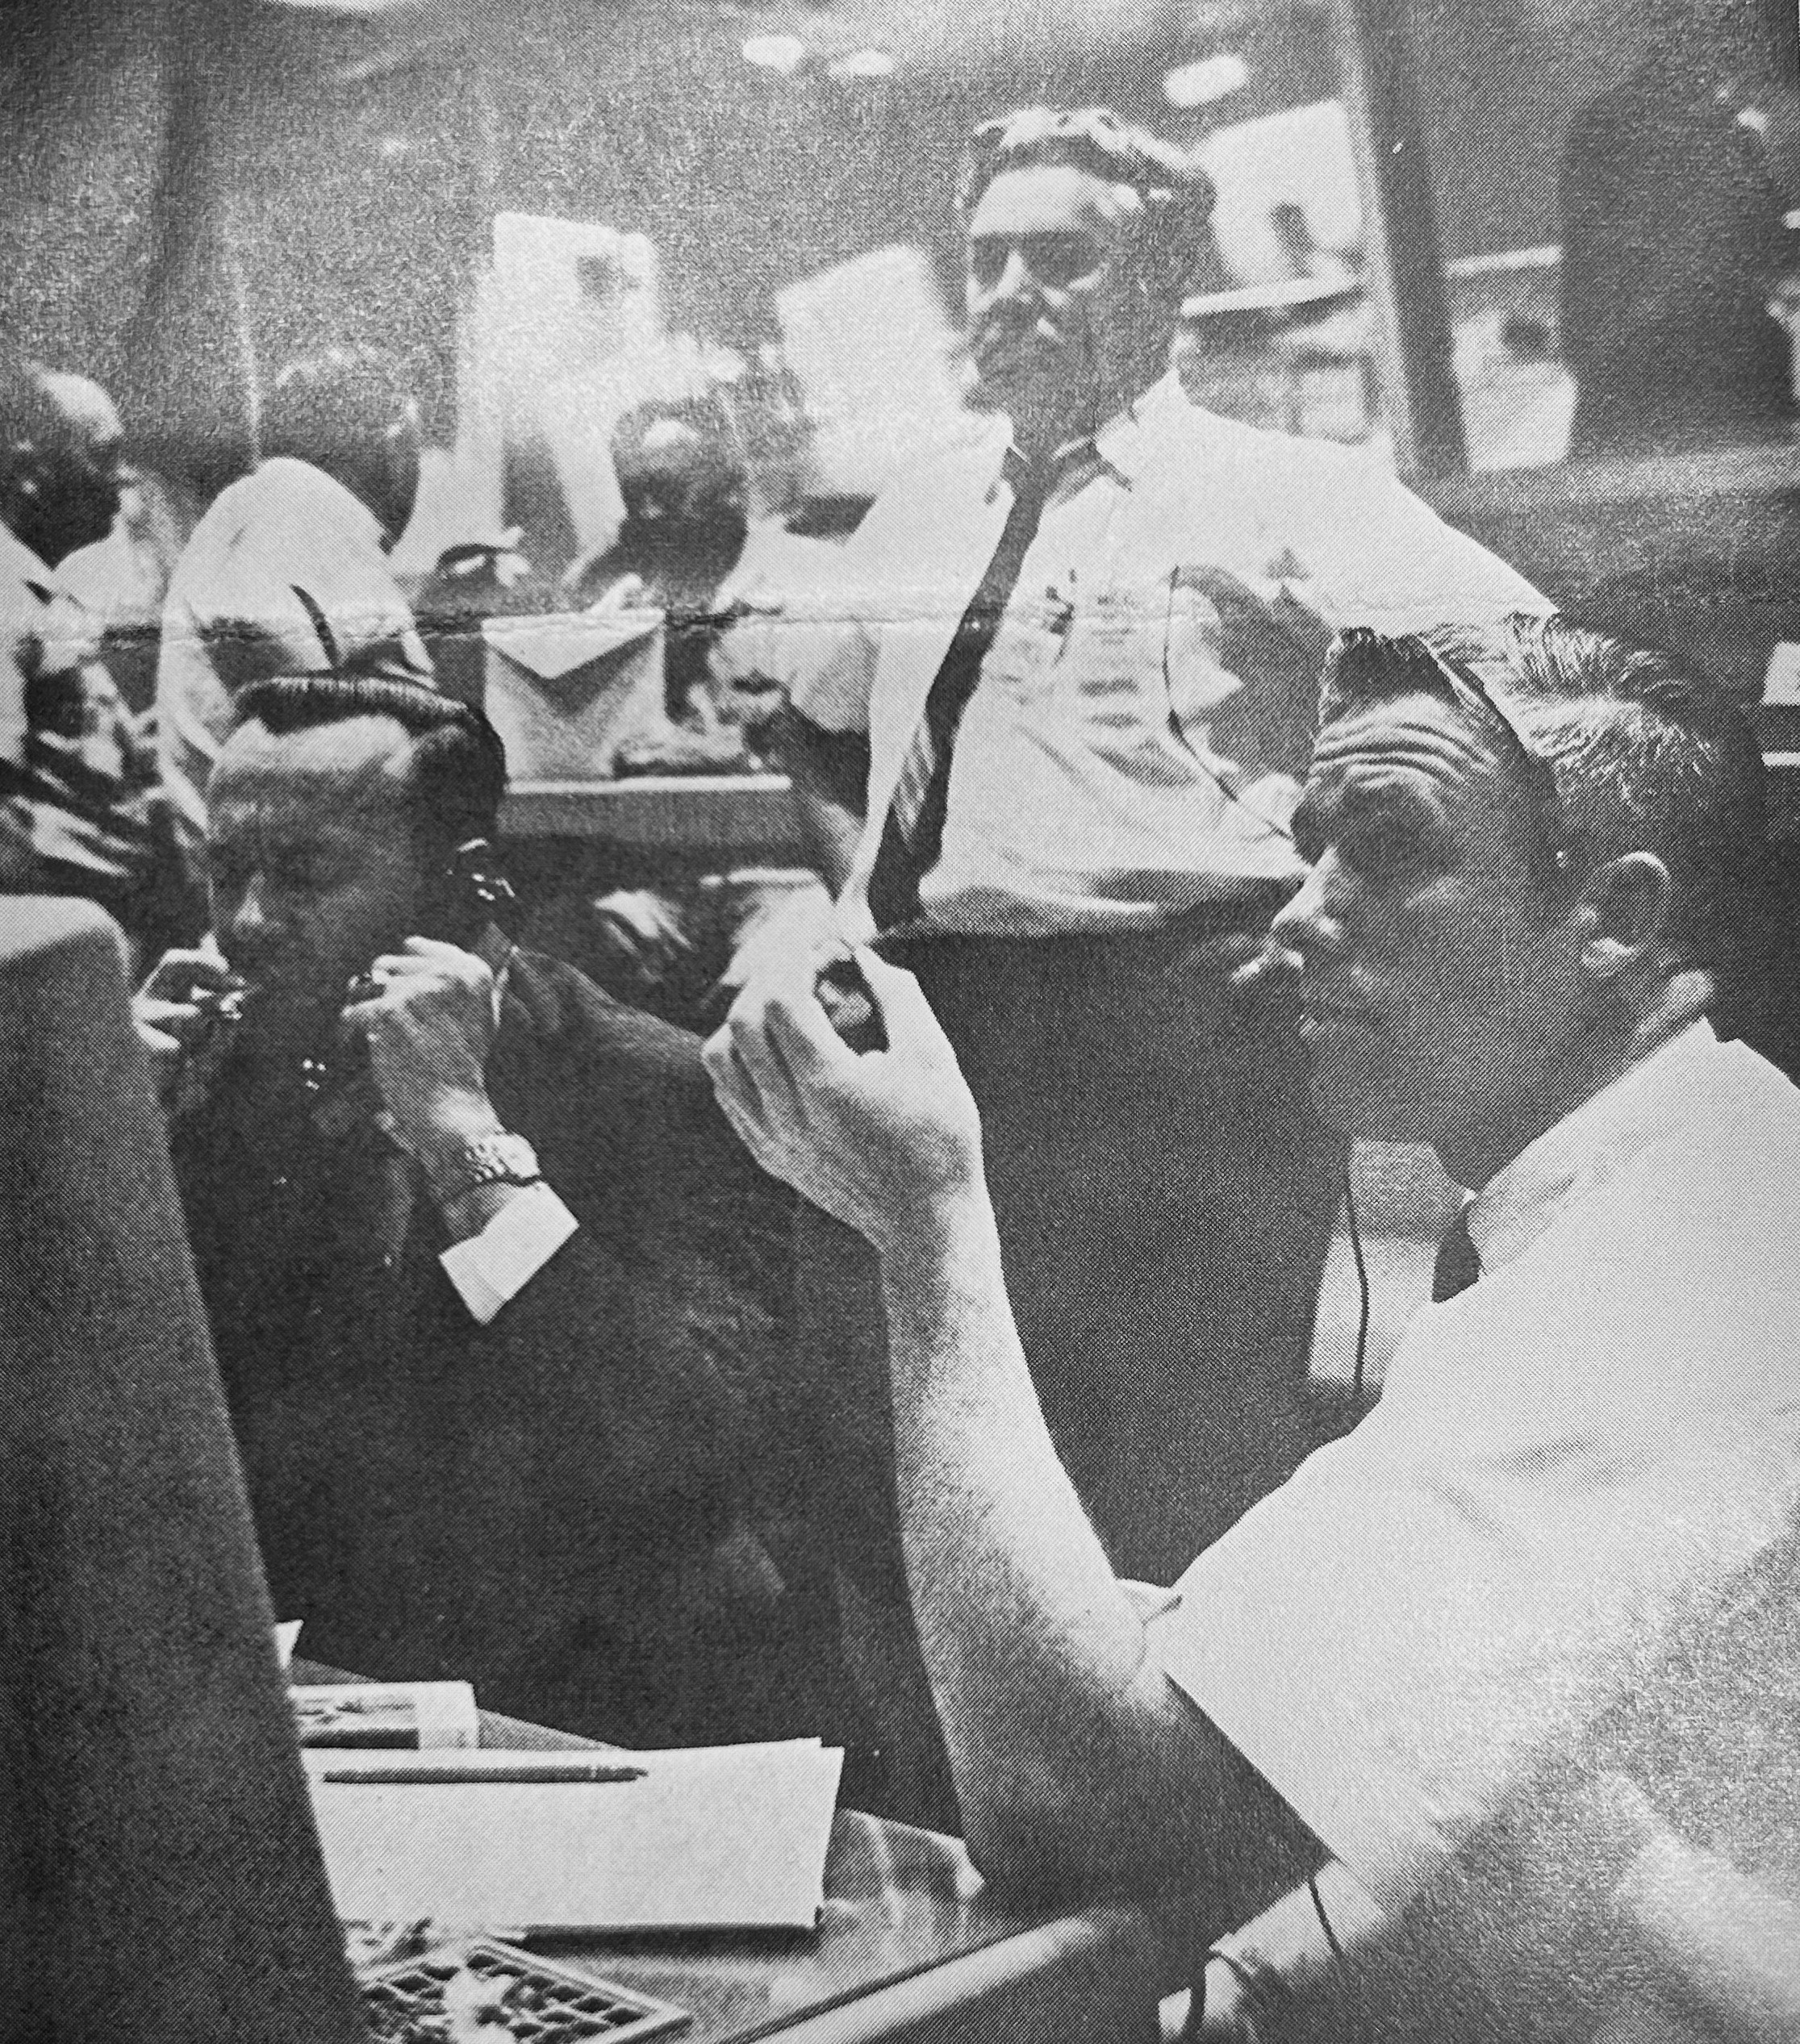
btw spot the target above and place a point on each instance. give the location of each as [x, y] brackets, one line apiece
[680, 466]
[61, 457]
[352, 412]
[336, 814]
[1528, 847]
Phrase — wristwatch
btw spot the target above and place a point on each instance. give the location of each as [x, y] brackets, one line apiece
[499, 1159]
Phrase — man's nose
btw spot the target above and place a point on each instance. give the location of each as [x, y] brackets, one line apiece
[1016, 279]
[249, 918]
[1306, 921]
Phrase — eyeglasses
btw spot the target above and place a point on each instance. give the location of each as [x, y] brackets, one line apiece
[1055, 260]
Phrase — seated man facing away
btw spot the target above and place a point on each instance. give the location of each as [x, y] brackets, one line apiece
[288, 572]
[491, 1286]
[1509, 1672]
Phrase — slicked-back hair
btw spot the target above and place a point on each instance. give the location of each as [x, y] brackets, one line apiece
[1640, 757]
[458, 775]
[1169, 237]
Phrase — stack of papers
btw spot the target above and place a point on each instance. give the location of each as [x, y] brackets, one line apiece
[705, 1837]
[386, 1714]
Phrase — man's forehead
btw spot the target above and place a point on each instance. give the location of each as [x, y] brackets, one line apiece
[360, 768]
[1050, 198]
[1423, 737]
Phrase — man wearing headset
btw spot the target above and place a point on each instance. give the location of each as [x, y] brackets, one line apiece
[1505, 1679]
[489, 1282]
[1055, 763]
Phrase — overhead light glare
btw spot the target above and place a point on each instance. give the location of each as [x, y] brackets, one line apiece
[782, 53]
[1208, 78]
[862, 63]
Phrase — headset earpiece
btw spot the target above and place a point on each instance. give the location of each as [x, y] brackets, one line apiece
[473, 872]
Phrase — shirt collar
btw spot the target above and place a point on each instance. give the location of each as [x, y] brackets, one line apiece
[1122, 444]
[1602, 1136]
[20, 564]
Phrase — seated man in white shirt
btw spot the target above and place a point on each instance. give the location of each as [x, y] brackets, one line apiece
[1508, 1674]
[288, 572]
[491, 1286]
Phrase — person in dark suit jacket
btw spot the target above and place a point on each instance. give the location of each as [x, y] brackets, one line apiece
[494, 1300]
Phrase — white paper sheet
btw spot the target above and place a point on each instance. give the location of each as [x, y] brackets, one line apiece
[714, 1836]
[383, 1716]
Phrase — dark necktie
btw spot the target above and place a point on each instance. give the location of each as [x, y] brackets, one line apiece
[1458, 1261]
[913, 834]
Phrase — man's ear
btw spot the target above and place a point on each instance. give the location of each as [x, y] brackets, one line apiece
[1622, 912]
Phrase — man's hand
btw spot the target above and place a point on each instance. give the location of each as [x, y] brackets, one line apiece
[1223, 636]
[428, 1022]
[1232, 2014]
[886, 1141]
[181, 1022]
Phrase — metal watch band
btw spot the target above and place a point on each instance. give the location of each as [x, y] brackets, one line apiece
[499, 1159]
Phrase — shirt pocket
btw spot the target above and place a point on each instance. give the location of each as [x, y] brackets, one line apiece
[1030, 642]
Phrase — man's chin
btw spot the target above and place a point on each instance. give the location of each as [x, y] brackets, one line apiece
[285, 1021]
[1012, 372]
[1354, 1095]
[999, 390]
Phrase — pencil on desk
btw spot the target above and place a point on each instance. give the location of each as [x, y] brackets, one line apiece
[594, 1774]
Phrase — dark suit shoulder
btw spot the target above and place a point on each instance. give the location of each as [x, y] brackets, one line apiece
[565, 1014]
[622, 1102]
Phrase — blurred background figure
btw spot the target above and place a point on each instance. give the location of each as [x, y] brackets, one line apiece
[732, 584]
[287, 573]
[691, 544]
[81, 812]
[1673, 246]
[123, 580]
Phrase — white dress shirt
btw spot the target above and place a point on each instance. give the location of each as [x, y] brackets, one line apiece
[1111, 767]
[1579, 1467]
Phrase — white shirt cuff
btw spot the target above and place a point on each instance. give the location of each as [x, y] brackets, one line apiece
[495, 1266]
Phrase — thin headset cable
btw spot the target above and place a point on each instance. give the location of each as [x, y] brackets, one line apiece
[1270, 827]
[1355, 1233]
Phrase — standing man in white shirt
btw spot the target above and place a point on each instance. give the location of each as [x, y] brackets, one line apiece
[1056, 766]
[288, 572]
[1508, 1674]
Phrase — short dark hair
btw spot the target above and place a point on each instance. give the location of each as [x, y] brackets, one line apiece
[332, 407]
[1177, 195]
[1639, 755]
[458, 762]
[706, 419]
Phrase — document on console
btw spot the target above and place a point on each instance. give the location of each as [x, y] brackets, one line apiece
[708, 1837]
